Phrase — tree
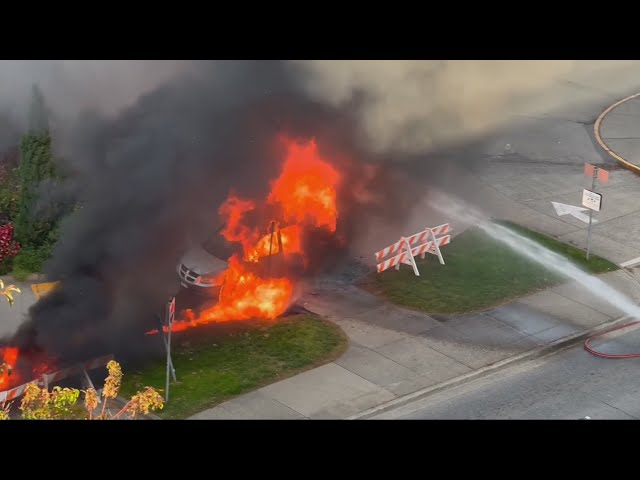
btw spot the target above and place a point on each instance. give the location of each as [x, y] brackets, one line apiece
[9, 185]
[38, 112]
[40, 404]
[36, 165]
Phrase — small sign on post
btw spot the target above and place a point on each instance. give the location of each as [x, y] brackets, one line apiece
[591, 199]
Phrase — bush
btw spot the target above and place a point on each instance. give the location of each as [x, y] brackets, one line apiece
[59, 404]
[6, 266]
[20, 274]
[30, 260]
[9, 186]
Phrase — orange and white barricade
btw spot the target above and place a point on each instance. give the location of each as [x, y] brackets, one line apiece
[404, 251]
[81, 369]
[14, 393]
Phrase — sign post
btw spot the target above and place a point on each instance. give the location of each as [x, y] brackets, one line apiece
[170, 314]
[591, 199]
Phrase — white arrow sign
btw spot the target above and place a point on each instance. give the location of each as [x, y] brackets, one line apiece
[564, 209]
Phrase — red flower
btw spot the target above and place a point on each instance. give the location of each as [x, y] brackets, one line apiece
[8, 248]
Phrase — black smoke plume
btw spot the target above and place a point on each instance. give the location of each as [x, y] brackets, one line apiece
[150, 181]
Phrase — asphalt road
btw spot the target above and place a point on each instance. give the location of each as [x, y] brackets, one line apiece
[569, 385]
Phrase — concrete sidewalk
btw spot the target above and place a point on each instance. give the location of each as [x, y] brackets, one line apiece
[395, 352]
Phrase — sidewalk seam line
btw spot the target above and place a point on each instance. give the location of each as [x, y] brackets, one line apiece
[383, 387]
[382, 355]
[520, 331]
[584, 304]
[278, 401]
[608, 239]
[488, 315]
[417, 338]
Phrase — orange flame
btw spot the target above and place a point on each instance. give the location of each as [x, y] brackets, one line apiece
[306, 188]
[244, 296]
[268, 245]
[9, 359]
[234, 210]
[305, 193]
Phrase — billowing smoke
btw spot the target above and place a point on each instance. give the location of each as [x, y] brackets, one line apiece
[153, 156]
[73, 86]
[419, 106]
[151, 179]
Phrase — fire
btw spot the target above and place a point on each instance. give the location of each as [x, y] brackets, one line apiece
[268, 245]
[11, 376]
[9, 359]
[305, 195]
[244, 296]
[306, 189]
[234, 210]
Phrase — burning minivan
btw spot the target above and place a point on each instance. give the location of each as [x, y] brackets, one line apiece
[201, 269]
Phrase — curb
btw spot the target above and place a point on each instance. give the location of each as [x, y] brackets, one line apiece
[554, 347]
[596, 128]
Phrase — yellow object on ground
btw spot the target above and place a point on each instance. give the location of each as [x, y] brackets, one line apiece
[42, 289]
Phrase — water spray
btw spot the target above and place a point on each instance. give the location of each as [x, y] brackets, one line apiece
[552, 261]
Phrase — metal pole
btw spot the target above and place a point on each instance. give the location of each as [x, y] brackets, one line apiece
[87, 379]
[272, 229]
[168, 354]
[164, 340]
[593, 186]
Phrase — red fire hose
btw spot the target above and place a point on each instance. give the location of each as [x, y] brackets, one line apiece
[607, 355]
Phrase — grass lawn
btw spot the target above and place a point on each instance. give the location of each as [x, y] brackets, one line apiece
[212, 367]
[479, 273]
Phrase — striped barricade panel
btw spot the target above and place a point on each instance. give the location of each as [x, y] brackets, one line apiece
[388, 250]
[420, 249]
[392, 262]
[441, 229]
[418, 237]
[14, 393]
[441, 242]
[50, 378]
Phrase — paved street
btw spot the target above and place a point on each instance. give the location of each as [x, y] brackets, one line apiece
[570, 385]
